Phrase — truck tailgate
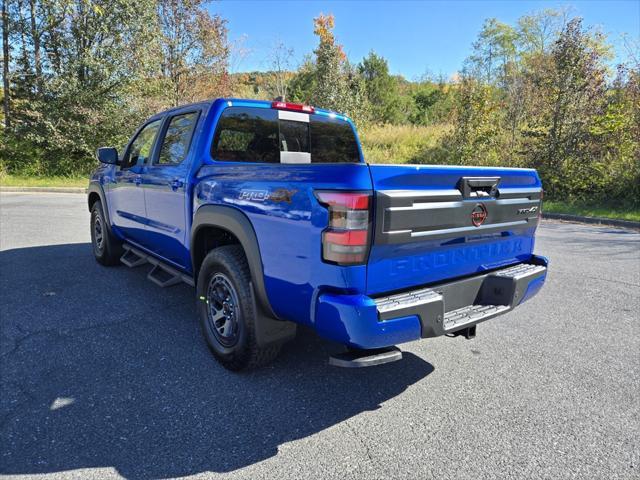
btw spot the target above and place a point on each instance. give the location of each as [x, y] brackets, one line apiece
[435, 223]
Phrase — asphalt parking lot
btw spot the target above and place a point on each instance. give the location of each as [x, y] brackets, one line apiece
[105, 375]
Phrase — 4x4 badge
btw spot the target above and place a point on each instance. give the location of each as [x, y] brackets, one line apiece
[478, 214]
[525, 211]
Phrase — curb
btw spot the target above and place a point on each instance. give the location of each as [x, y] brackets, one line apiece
[43, 189]
[592, 220]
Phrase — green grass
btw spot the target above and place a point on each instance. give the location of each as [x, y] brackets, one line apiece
[404, 143]
[24, 181]
[605, 211]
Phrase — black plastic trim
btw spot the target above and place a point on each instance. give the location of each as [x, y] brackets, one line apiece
[235, 222]
[478, 187]
[95, 187]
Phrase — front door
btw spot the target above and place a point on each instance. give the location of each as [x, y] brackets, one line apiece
[126, 193]
[165, 181]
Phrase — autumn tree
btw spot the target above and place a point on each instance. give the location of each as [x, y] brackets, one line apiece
[574, 92]
[78, 74]
[337, 85]
[540, 95]
[195, 50]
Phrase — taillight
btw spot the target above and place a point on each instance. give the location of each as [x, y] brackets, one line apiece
[295, 107]
[346, 240]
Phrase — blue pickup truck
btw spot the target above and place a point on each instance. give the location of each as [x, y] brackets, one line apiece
[270, 211]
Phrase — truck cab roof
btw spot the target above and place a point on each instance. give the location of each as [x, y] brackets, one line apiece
[244, 102]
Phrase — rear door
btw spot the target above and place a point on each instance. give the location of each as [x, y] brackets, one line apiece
[165, 182]
[437, 223]
[126, 194]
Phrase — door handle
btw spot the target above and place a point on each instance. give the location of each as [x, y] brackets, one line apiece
[137, 180]
[176, 184]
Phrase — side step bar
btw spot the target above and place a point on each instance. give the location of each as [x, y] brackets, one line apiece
[161, 274]
[268, 330]
[132, 259]
[356, 358]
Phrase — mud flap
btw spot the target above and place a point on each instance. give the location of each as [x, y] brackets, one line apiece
[268, 329]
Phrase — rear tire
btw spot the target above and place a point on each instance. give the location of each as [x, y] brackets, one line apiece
[227, 311]
[106, 248]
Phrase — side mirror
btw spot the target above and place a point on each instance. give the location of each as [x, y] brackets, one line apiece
[107, 155]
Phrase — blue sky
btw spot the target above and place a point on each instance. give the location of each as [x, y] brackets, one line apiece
[414, 36]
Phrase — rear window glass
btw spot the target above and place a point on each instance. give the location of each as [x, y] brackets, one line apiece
[332, 141]
[246, 134]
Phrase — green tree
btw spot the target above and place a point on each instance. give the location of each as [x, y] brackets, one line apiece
[303, 83]
[494, 52]
[381, 88]
[538, 31]
[432, 102]
[6, 90]
[74, 60]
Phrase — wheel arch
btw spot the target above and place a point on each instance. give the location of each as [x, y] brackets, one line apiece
[229, 226]
[95, 192]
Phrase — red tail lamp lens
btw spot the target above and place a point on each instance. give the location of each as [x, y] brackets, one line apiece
[346, 240]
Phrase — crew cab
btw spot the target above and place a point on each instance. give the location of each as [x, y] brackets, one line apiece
[270, 211]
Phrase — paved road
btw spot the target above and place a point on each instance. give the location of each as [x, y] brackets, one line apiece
[106, 375]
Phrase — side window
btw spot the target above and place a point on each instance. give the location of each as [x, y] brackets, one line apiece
[246, 134]
[142, 146]
[177, 139]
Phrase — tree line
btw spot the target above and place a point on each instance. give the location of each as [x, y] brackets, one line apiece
[541, 93]
[82, 73]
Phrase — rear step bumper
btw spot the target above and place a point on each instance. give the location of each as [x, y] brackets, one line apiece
[440, 309]
[451, 306]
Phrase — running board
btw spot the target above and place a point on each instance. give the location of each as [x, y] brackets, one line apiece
[161, 274]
